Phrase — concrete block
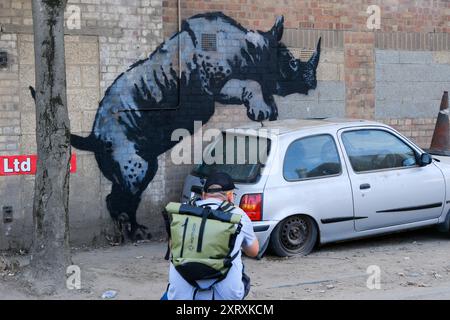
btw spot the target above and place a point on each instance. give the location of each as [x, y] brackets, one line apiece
[26, 52]
[441, 57]
[332, 56]
[28, 122]
[88, 53]
[410, 91]
[82, 99]
[386, 56]
[5, 122]
[27, 76]
[73, 76]
[26, 101]
[28, 144]
[331, 90]
[416, 57]
[76, 120]
[90, 76]
[412, 72]
[72, 53]
[88, 121]
[307, 109]
[328, 71]
[406, 109]
[10, 114]
[313, 95]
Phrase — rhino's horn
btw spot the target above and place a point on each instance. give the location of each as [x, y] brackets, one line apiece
[314, 60]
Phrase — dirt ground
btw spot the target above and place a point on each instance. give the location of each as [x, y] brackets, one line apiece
[414, 265]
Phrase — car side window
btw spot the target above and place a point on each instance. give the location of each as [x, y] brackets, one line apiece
[311, 157]
[372, 149]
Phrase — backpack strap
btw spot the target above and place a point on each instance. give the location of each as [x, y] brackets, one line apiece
[205, 205]
[197, 290]
[167, 227]
[226, 206]
[195, 293]
[192, 202]
[206, 212]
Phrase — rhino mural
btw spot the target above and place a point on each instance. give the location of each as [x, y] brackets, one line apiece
[221, 61]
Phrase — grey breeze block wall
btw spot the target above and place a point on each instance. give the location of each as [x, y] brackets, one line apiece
[408, 88]
[409, 84]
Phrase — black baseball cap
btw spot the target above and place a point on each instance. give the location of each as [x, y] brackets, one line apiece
[219, 178]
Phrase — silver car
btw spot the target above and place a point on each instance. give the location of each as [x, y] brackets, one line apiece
[333, 179]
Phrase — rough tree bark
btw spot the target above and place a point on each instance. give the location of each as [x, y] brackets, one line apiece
[50, 253]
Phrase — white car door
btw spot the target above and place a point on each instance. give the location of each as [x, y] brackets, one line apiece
[389, 187]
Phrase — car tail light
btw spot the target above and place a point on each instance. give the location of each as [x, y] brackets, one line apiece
[252, 205]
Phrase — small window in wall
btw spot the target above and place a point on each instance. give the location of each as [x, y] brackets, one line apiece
[3, 59]
[372, 149]
[311, 157]
[209, 42]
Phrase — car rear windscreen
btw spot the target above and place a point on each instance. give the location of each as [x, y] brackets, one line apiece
[241, 156]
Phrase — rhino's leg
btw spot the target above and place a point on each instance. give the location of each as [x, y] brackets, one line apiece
[260, 106]
[132, 175]
[124, 206]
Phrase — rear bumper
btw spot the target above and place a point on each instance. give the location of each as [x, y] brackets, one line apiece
[263, 230]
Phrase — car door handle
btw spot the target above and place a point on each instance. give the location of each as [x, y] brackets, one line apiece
[364, 186]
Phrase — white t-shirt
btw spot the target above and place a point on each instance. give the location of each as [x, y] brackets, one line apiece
[230, 288]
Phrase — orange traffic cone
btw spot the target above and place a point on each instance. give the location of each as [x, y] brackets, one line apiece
[441, 136]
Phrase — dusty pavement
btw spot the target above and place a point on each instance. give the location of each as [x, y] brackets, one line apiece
[414, 265]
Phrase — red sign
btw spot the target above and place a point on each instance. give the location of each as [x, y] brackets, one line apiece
[25, 164]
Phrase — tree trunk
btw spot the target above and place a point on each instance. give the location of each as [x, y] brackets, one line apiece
[50, 250]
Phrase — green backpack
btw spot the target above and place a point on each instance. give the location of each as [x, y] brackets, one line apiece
[202, 240]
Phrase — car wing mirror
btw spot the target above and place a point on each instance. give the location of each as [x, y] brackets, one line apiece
[425, 159]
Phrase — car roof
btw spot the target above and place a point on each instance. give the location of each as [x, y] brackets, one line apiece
[290, 125]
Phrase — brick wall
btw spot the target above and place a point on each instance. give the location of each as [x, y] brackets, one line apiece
[419, 130]
[359, 75]
[397, 15]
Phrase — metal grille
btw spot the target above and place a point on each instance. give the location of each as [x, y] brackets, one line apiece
[302, 54]
[3, 59]
[305, 54]
[209, 42]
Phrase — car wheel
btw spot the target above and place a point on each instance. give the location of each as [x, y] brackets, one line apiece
[295, 235]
